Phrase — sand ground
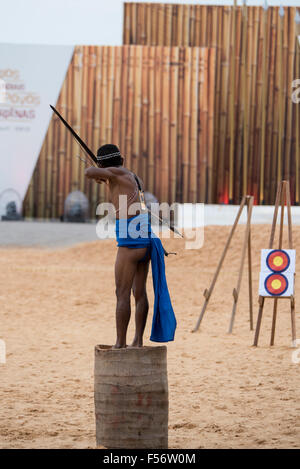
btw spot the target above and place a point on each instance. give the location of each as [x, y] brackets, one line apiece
[55, 305]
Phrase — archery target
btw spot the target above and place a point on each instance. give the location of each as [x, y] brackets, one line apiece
[277, 272]
[278, 260]
[276, 284]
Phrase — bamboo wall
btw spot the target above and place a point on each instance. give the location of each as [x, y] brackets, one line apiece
[256, 124]
[155, 103]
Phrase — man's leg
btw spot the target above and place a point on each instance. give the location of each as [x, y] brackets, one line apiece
[125, 269]
[141, 301]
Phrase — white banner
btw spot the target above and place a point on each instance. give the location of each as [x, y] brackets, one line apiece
[31, 77]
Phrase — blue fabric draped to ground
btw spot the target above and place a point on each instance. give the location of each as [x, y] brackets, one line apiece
[136, 233]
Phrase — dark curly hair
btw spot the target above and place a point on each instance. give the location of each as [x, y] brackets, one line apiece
[109, 155]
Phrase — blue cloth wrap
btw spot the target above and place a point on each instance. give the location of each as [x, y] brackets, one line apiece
[136, 233]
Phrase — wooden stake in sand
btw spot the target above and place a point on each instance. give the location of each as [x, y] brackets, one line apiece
[282, 198]
[246, 201]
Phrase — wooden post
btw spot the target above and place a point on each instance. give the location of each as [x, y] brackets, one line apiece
[131, 397]
[236, 291]
[250, 271]
[207, 293]
[261, 302]
[293, 319]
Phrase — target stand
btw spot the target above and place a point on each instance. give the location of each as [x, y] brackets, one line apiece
[278, 267]
[247, 201]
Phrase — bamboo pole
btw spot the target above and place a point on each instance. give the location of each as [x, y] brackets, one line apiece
[281, 96]
[186, 122]
[69, 139]
[174, 25]
[117, 96]
[186, 26]
[239, 113]
[258, 112]
[168, 26]
[165, 124]
[41, 191]
[130, 108]
[141, 24]
[110, 94]
[104, 93]
[124, 102]
[264, 96]
[297, 111]
[154, 23]
[253, 103]
[232, 105]
[92, 62]
[226, 73]
[61, 152]
[270, 170]
[137, 96]
[142, 159]
[151, 124]
[97, 117]
[179, 174]
[54, 171]
[210, 130]
[290, 32]
[77, 94]
[133, 23]
[82, 181]
[212, 137]
[245, 98]
[126, 23]
[179, 34]
[158, 103]
[192, 25]
[194, 127]
[161, 24]
[174, 121]
[148, 24]
[276, 107]
[203, 106]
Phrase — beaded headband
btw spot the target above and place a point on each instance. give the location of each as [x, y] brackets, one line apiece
[105, 157]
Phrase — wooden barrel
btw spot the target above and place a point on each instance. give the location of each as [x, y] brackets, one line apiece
[131, 397]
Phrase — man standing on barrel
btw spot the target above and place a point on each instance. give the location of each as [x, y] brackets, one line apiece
[137, 244]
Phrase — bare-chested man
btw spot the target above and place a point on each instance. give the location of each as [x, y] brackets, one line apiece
[132, 262]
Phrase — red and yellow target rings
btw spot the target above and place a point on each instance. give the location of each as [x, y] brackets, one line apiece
[276, 284]
[278, 260]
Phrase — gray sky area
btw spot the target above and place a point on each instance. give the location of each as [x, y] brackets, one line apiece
[75, 21]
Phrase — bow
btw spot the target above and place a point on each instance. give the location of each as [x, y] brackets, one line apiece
[94, 162]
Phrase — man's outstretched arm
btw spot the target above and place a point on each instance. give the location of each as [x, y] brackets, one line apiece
[101, 174]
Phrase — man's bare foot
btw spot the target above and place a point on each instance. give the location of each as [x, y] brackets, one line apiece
[137, 343]
[117, 346]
